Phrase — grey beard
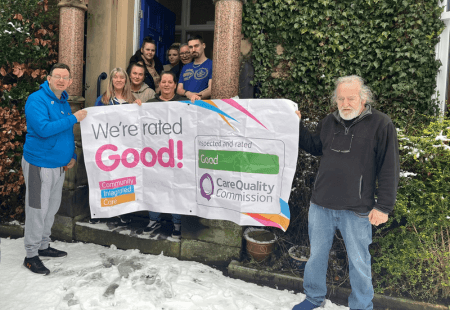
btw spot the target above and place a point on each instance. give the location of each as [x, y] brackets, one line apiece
[349, 116]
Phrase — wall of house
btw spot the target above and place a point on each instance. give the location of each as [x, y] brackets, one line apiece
[109, 41]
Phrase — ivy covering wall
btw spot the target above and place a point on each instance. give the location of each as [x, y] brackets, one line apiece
[390, 43]
[299, 48]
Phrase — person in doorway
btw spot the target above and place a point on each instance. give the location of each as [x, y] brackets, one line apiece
[185, 58]
[173, 56]
[153, 66]
[359, 150]
[48, 152]
[139, 89]
[185, 54]
[168, 86]
[196, 77]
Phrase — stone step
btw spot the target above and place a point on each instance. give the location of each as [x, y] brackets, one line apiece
[212, 242]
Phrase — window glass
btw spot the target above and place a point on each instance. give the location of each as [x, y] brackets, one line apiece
[202, 12]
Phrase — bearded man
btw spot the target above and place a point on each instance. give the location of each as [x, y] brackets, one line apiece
[196, 77]
[360, 158]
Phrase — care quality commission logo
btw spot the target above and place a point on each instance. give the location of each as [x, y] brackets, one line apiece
[206, 186]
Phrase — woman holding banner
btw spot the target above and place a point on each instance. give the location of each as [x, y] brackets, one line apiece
[118, 91]
[168, 85]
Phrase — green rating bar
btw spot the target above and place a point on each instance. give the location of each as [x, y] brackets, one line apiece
[238, 161]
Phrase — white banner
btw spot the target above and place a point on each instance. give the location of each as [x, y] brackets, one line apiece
[218, 159]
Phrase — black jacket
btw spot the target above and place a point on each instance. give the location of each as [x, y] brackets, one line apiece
[148, 77]
[177, 70]
[357, 162]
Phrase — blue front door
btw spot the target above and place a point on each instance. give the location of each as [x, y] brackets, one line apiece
[159, 23]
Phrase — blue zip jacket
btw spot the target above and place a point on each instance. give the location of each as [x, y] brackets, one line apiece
[50, 142]
[112, 101]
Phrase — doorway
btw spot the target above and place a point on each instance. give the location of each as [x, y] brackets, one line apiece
[175, 21]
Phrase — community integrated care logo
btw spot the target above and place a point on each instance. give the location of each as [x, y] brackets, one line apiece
[117, 191]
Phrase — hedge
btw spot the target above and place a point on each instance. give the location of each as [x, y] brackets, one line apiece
[29, 41]
[413, 252]
[299, 48]
[390, 43]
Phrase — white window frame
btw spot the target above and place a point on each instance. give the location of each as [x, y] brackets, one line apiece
[137, 24]
[442, 53]
[186, 22]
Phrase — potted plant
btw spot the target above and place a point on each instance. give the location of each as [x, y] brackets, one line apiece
[299, 255]
[259, 242]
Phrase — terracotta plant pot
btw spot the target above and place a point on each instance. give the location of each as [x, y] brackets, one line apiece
[259, 243]
[299, 255]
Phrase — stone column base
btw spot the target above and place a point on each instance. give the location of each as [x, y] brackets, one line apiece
[75, 202]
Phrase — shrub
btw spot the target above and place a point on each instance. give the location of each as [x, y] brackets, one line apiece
[412, 255]
[12, 126]
[300, 47]
[302, 185]
[28, 37]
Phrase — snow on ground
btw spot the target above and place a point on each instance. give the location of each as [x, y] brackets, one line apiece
[96, 277]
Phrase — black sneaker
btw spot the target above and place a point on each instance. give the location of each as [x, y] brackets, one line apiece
[152, 227]
[176, 232]
[51, 252]
[35, 265]
[94, 221]
[123, 221]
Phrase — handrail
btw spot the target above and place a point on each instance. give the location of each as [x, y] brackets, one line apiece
[101, 77]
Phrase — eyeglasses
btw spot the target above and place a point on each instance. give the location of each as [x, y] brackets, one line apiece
[58, 77]
[185, 54]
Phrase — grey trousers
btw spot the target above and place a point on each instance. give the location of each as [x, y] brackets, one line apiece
[42, 201]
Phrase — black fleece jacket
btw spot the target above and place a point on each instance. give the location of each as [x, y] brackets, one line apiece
[148, 77]
[358, 162]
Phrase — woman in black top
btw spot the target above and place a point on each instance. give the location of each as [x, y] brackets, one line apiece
[168, 86]
[153, 66]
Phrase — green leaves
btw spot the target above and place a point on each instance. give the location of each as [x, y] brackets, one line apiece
[391, 44]
[28, 36]
[417, 242]
[384, 41]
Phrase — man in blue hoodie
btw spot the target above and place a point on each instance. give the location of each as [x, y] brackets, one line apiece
[49, 150]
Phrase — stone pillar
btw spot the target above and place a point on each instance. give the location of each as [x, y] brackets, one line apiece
[71, 41]
[75, 195]
[227, 42]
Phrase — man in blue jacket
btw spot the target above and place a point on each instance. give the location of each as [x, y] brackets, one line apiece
[359, 150]
[49, 150]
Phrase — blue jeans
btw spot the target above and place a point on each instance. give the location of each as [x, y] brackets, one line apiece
[155, 216]
[357, 233]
